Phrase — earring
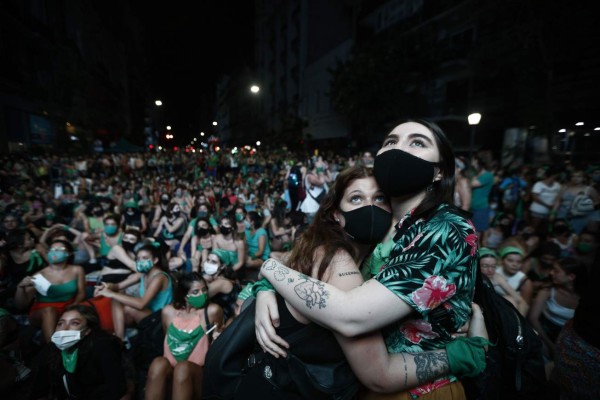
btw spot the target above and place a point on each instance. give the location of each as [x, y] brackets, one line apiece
[337, 220]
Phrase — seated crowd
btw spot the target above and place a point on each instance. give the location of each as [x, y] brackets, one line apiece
[100, 250]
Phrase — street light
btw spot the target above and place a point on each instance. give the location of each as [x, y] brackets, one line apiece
[168, 127]
[215, 123]
[255, 89]
[158, 103]
[473, 121]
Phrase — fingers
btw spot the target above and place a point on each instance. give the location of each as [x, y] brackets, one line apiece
[268, 345]
[477, 325]
[274, 315]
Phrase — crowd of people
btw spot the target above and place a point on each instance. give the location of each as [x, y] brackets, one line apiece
[95, 249]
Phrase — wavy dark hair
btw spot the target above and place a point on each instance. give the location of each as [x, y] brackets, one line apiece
[325, 231]
[182, 287]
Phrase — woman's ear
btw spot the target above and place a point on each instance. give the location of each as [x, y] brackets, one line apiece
[337, 217]
[437, 174]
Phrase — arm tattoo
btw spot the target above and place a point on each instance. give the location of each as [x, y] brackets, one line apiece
[312, 292]
[430, 366]
[349, 273]
[280, 270]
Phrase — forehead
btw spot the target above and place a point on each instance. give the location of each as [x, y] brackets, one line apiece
[144, 253]
[197, 285]
[214, 257]
[362, 185]
[408, 128]
[70, 315]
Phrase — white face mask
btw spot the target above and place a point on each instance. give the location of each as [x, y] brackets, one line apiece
[210, 268]
[65, 339]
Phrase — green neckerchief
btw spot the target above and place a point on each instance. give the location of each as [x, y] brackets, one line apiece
[69, 359]
[182, 343]
[35, 259]
[378, 258]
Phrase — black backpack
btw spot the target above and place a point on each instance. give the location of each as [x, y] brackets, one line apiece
[515, 365]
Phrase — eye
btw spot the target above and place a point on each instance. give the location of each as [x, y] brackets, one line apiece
[418, 143]
[380, 198]
[355, 198]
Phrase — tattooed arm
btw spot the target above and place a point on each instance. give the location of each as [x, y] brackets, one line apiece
[363, 309]
[367, 354]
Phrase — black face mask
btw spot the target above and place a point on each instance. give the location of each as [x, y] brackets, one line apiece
[201, 232]
[368, 224]
[399, 173]
[128, 246]
[225, 229]
[164, 201]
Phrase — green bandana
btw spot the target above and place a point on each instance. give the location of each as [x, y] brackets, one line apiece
[69, 359]
[511, 250]
[183, 343]
[379, 257]
[485, 252]
[466, 356]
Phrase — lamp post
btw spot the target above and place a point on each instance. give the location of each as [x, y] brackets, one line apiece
[473, 121]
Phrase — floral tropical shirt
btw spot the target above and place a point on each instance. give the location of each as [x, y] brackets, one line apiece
[432, 263]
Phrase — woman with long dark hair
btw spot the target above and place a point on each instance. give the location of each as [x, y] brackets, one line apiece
[429, 271]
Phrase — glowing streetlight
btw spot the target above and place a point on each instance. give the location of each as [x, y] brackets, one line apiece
[255, 89]
[168, 127]
[258, 142]
[158, 103]
[201, 133]
[473, 121]
[215, 123]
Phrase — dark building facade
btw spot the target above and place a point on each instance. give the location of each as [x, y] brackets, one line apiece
[72, 72]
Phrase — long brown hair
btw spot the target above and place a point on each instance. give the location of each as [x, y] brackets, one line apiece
[325, 232]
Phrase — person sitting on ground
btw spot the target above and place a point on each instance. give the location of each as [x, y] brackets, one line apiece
[221, 289]
[120, 262]
[172, 226]
[228, 240]
[257, 241]
[202, 242]
[84, 361]
[156, 289]
[52, 289]
[190, 324]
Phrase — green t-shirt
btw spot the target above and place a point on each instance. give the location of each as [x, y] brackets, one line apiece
[481, 194]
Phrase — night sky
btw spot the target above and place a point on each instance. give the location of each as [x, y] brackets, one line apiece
[190, 44]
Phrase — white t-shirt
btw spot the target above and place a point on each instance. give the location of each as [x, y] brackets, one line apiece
[547, 194]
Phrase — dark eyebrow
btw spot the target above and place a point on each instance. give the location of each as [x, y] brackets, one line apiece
[420, 136]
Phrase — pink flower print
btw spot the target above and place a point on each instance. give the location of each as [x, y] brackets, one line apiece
[417, 329]
[434, 292]
[413, 242]
[471, 240]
